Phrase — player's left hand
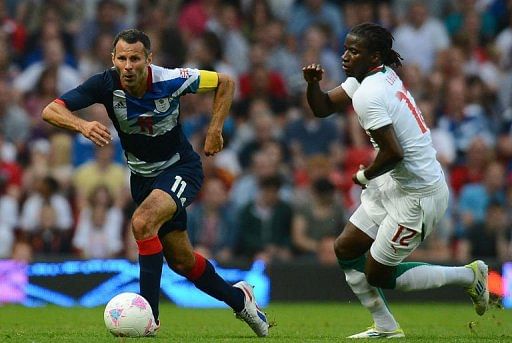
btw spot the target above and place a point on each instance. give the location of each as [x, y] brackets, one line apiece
[354, 177]
[213, 143]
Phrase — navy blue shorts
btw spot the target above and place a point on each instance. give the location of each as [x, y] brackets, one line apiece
[182, 181]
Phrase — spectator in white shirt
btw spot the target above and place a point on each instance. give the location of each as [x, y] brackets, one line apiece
[421, 37]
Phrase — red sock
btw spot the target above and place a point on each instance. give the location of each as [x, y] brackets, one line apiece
[198, 268]
[150, 246]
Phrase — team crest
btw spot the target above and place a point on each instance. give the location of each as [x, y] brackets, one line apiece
[162, 104]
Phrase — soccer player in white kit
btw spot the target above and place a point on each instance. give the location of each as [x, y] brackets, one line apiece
[404, 191]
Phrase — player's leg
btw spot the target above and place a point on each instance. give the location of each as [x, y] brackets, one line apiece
[154, 210]
[351, 247]
[183, 260]
[395, 242]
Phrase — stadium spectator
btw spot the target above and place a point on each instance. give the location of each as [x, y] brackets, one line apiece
[99, 226]
[103, 170]
[37, 98]
[107, 18]
[50, 27]
[13, 30]
[15, 127]
[317, 38]
[265, 131]
[420, 27]
[235, 46]
[310, 12]
[260, 82]
[211, 227]
[264, 224]
[472, 168]
[8, 221]
[489, 239]
[475, 197]
[318, 221]
[196, 16]
[95, 60]
[464, 122]
[46, 218]
[245, 188]
[53, 50]
[308, 135]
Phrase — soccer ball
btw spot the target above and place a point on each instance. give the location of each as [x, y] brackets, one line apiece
[128, 315]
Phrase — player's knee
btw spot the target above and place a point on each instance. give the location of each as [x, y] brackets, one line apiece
[142, 227]
[341, 249]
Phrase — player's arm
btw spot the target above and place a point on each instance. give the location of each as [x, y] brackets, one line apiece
[323, 104]
[390, 153]
[224, 88]
[58, 115]
[60, 111]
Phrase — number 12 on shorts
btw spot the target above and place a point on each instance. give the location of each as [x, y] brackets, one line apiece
[403, 236]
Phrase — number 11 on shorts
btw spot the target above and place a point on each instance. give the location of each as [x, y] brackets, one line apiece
[178, 183]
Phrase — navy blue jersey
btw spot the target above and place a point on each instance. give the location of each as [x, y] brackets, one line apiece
[148, 127]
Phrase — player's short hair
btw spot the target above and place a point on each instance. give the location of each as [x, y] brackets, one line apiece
[132, 36]
[378, 39]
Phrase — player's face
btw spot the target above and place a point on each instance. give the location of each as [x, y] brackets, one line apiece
[357, 59]
[131, 63]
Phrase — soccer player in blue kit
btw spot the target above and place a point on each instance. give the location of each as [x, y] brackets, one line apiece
[142, 100]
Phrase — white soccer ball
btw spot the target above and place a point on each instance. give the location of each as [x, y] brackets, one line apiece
[128, 315]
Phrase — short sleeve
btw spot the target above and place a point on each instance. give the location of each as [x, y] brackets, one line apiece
[371, 109]
[350, 85]
[91, 91]
[186, 82]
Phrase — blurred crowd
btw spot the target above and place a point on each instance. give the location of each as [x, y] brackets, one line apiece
[281, 189]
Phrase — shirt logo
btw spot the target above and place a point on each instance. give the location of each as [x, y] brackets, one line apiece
[162, 104]
[184, 73]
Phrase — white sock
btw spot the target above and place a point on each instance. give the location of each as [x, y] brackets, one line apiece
[430, 276]
[371, 299]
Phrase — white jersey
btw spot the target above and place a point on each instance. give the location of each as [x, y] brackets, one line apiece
[381, 99]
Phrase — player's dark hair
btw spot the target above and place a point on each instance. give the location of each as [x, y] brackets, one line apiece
[132, 36]
[379, 39]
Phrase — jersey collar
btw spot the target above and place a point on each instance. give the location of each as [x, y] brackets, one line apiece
[376, 69]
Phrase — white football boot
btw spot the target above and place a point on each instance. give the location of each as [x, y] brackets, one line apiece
[478, 291]
[251, 313]
[374, 332]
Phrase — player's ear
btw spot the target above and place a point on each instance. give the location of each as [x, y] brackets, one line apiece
[113, 57]
[149, 59]
[376, 58]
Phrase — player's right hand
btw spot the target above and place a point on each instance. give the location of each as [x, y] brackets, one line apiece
[313, 73]
[96, 132]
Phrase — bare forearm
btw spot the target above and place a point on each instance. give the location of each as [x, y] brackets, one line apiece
[222, 103]
[384, 162]
[60, 116]
[319, 101]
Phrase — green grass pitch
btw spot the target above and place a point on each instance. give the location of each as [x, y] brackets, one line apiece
[295, 322]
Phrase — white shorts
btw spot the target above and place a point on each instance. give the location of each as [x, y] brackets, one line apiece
[398, 220]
